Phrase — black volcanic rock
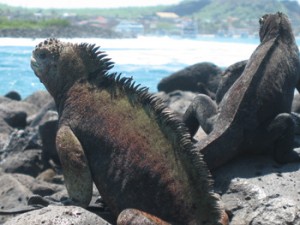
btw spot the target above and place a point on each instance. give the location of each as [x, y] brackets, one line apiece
[202, 78]
[13, 95]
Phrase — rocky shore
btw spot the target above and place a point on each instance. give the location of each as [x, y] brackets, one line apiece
[254, 189]
[61, 32]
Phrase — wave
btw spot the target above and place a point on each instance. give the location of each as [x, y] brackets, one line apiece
[151, 51]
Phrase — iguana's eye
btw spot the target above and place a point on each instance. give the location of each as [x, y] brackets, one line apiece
[43, 55]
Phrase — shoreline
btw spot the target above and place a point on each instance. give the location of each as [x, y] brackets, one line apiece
[61, 32]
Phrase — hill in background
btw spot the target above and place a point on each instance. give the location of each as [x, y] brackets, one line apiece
[215, 15]
[190, 17]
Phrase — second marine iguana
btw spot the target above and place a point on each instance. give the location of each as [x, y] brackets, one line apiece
[254, 114]
[229, 76]
[117, 135]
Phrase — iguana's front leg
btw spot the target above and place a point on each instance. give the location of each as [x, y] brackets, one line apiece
[76, 171]
[201, 112]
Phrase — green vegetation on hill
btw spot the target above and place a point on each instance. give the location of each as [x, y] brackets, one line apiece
[32, 24]
[126, 13]
[244, 10]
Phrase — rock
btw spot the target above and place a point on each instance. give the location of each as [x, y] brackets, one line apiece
[200, 78]
[58, 196]
[276, 211]
[46, 113]
[27, 162]
[39, 99]
[48, 175]
[13, 194]
[177, 101]
[16, 112]
[47, 121]
[4, 100]
[39, 187]
[57, 215]
[5, 132]
[48, 134]
[19, 106]
[257, 190]
[296, 104]
[21, 140]
[251, 205]
[45, 189]
[17, 119]
[13, 95]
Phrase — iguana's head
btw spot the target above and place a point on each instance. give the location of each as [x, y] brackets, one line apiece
[59, 64]
[275, 25]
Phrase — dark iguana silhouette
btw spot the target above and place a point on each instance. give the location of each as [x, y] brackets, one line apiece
[229, 76]
[117, 135]
[254, 114]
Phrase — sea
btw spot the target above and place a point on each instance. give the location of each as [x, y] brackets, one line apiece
[146, 59]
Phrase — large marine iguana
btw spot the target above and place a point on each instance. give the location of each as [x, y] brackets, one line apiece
[117, 135]
[254, 114]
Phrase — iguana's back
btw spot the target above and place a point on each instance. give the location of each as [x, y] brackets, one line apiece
[134, 164]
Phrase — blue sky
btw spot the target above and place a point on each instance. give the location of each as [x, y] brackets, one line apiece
[86, 3]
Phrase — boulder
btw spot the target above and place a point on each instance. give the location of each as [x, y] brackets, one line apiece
[15, 113]
[296, 103]
[46, 113]
[257, 190]
[13, 195]
[39, 187]
[5, 132]
[47, 133]
[13, 95]
[39, 99]
[200, 78]
[4, 99]
[27, 162]
[57, 215]
[21, 140]
[177, 101]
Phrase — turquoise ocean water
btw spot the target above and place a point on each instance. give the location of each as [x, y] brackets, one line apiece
[146, 59]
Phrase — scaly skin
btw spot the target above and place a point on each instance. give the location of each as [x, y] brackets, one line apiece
[254, 114]
[120, 137]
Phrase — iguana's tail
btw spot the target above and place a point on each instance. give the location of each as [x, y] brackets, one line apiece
[220, 146]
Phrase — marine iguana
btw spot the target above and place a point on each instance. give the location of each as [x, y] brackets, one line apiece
[254, 114]
[228, 77]
[117, 135]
